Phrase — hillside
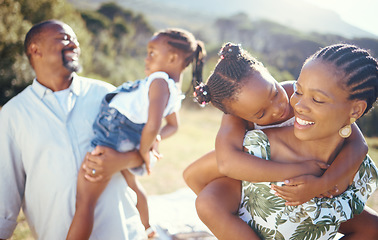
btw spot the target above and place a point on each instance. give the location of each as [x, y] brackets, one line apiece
[296, 14]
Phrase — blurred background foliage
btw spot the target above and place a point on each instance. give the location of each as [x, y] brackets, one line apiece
[113, 42]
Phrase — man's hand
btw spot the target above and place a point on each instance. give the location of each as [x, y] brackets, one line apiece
[103, 162]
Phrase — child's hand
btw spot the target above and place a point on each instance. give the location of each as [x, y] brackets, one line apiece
[338, 189]
[298, 190]
[155, 149]
[146, 158]
[314, 167]
[330, 193]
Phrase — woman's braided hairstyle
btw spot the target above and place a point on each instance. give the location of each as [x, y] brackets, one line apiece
[359, 67]
[226, 81]
[193, 50]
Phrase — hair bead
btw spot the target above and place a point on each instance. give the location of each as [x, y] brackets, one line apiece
[224, 83]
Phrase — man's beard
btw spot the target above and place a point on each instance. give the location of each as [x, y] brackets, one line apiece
[73, 66]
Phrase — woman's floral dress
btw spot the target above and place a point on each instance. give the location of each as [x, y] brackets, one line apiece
[318, 218]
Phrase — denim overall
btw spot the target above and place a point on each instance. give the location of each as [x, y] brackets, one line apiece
[114, 130]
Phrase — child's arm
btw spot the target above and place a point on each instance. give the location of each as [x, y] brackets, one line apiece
[171, 125]
[235, 163]
[158, 99]
[302, 189]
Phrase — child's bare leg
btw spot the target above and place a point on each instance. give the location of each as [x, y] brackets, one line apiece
[362, 226]
[217, 205]
[86, 199]
[202, 171]
[142, 204]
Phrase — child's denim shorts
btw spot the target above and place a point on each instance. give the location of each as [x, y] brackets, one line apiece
[114, 130]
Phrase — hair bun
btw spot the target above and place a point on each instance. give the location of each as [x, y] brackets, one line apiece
[201, 94]
[230, 51]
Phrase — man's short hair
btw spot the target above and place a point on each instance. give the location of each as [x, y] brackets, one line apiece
[34, 33]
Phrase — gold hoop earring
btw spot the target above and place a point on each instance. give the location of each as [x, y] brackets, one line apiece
[346, 131]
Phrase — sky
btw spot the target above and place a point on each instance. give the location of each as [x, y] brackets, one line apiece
[360, 13]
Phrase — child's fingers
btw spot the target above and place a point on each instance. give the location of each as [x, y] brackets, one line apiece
[148, 168]
[295, 181]
[323, 165]
[284, 192]
[293, 203]
[327, 195]
[157, 154]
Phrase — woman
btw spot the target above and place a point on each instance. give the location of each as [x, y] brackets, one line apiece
[336, 86]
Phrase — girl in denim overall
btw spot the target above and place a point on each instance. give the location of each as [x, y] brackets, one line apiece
[130, 118]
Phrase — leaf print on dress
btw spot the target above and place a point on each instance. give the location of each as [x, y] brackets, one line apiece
[259, 201]
[257, 144]
[263, 232]
[309, 231]
[317, 219]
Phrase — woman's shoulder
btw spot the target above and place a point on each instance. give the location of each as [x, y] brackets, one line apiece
[282, 133]
[271, 134]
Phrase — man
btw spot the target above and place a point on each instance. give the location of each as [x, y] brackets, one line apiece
[45, 132]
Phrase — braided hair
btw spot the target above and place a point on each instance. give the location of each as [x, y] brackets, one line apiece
[359, 67]
[193, 50]
[223, 85]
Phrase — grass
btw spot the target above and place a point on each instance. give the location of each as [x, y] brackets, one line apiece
[195, 138]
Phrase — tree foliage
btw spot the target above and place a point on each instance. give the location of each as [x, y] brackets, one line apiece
[14, 68]
[120, 38]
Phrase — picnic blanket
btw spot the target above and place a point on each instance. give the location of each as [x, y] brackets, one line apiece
[174, 216]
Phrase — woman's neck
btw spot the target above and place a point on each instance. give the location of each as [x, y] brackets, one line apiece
[324, 150]
[285, 146]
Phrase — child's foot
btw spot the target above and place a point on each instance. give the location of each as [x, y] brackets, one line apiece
[150, 232]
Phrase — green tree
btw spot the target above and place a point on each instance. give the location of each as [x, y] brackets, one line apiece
[120, 38]
[15, 73]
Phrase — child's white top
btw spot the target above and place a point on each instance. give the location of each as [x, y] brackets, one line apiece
[134, 104]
